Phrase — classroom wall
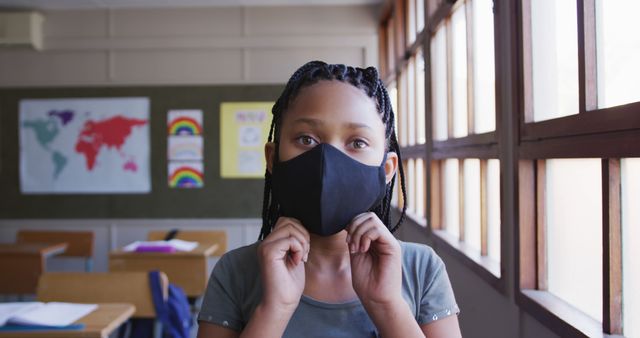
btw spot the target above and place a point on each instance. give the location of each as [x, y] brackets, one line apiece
[219, 45]
[120, 49]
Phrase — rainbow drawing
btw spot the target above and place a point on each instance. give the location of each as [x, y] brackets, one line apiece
[184, 126]
[186, 175]
[184, 122]
[184, 148]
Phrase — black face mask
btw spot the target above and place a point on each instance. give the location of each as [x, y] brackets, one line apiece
[325, 188]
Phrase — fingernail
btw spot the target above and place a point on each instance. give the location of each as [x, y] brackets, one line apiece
[348, 238]
[352, 248]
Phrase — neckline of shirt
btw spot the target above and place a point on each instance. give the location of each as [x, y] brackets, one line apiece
[317, 303]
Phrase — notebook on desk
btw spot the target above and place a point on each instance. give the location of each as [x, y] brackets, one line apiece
[43, 316]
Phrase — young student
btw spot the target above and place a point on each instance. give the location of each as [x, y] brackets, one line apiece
[327, 264]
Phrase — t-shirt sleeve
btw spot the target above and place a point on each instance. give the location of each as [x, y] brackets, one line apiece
[437, 300]
[221, 304]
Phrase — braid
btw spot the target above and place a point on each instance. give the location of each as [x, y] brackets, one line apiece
[367, 80]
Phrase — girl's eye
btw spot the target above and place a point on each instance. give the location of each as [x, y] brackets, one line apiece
[359, 144]
[306, 140]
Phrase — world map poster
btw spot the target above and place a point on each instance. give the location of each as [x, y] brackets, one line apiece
[89, 146]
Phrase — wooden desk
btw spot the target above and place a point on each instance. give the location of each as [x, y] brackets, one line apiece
[23, 263]
[100, 323]
[188, 270]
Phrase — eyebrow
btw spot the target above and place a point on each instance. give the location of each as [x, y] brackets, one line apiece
[317, 122]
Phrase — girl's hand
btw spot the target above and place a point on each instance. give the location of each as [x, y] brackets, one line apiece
[281, 256]
[376, 265]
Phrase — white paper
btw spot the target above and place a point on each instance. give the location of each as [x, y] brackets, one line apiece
[7, 310]
[52, 314]
[177, 244]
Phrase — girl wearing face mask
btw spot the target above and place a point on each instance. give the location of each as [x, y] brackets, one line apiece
[327, 264]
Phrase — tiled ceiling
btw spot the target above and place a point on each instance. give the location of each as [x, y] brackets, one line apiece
[97, 4]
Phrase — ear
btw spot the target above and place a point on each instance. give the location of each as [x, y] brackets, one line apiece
[390, 165]
[269, 153]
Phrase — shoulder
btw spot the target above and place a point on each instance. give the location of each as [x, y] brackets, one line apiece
[242, 258]
[419, 257]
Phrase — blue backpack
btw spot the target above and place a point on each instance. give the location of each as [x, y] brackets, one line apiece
[175, 313]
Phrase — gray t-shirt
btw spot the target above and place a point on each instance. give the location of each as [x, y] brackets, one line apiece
[234, 291]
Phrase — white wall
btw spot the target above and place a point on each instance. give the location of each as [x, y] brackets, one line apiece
[218, 45]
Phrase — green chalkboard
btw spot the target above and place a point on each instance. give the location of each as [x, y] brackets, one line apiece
[220, 198]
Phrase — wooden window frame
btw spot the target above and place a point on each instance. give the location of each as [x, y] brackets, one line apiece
[606, 133]
[482, 146]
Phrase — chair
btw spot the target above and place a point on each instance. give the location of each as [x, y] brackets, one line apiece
[209, 236]
[102, 287]
[79, 243]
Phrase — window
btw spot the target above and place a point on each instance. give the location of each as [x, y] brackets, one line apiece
[617, 52]
[578, 139]
[630, 196]
[465, 169]
[405, 81]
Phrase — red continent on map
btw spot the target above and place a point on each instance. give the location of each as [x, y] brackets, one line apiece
[109, 133]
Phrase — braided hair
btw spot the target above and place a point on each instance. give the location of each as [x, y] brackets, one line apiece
[365, 79]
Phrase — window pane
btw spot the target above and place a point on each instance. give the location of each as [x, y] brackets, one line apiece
[472, 215]
[618, 51]
[402, 109]
[420, 112]
[574, 232]
[493, 208]
[411, 102]
[439, 104]
[420, 188]
[554, 44]
[393, 97]
[484, 67]
[391, 43]
[459, 59]
[420, 15]
[411, 186]
[630, 246]
[451, 197]
[411, 22]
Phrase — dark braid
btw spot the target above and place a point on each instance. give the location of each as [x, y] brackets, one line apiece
[365, 79]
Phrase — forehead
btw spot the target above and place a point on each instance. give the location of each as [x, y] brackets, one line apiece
[334, 100]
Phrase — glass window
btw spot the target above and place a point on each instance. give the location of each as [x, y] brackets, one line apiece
[451, 197]
[472, 196]
[618, 51]
[421, 136]
[484, 67]
[420, 187]
[420, 15]
[493, 209]
[439, 102]
[459, 69]
[574, 232]
[630, 181]
[411, 186]
[554, 48]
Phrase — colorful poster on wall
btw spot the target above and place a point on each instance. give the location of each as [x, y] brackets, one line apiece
[187, 174]
[184, 122]
[185, 148]
[88, 145]
[244, 128]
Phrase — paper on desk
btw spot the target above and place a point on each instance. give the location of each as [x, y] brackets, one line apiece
[177, 244]
[52, 314]
[7, 310]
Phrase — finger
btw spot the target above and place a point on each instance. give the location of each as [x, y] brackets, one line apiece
[287, 249]
[370, 236]
[288, 221]
[356, 233]
[355, 222]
